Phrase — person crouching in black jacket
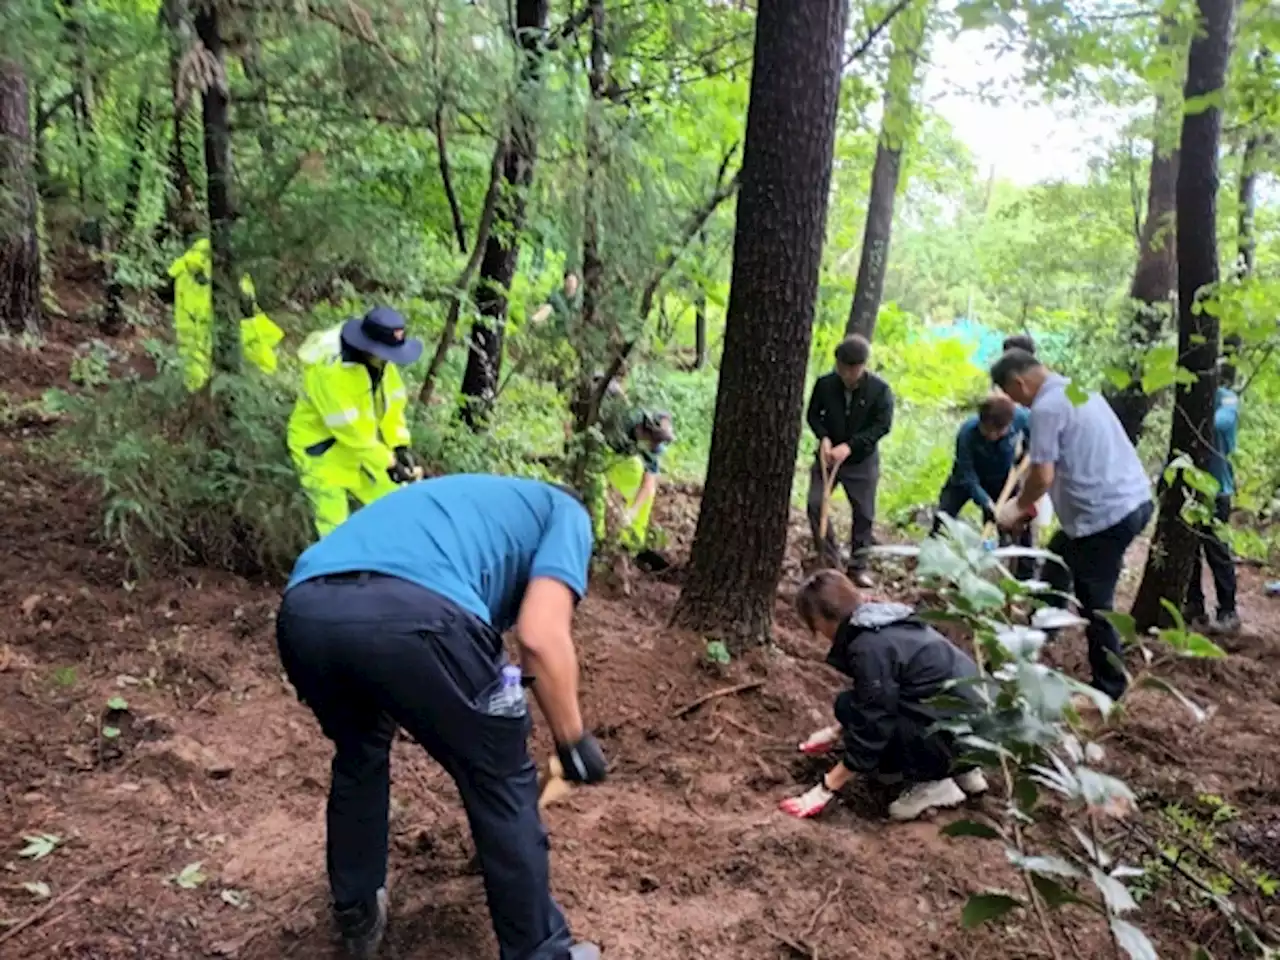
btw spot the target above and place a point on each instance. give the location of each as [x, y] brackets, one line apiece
[897, 664]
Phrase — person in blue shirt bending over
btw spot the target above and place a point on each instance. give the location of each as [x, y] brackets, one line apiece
[987, 446]
[1217, 554]
[396, 619]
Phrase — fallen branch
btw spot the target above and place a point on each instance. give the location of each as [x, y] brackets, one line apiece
[798, 948]
[716, 694]
[817, 914]
[71, 891]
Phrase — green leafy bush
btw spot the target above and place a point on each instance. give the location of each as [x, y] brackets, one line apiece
[1030, 730]
[180, 483]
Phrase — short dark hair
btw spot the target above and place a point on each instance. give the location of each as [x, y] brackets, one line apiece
[996, 411]
[1012, 363]
[853, 351]
[1019, 341]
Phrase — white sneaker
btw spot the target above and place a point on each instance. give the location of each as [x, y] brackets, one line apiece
[919, 799]
[972, 782]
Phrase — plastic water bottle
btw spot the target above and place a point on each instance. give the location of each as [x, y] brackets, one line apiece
[509, 701]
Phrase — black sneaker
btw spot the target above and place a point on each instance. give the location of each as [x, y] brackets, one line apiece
[363, 926]
[584, 951]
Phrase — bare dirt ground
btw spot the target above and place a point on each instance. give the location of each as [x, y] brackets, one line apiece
[680, 855]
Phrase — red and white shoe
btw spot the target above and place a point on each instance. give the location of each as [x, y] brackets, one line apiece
[821, 742]
[808, 804]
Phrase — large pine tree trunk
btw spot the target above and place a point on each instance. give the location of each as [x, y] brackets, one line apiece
[1153, 280]
[502, 251]
[1172, 555]
[782, 208]
[218, 170]
[19, 243]
[908, 33]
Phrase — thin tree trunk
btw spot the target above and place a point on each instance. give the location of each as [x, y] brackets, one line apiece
[700, 331]
[113, 314]
[180, 216]
[908, 31]
[19, 242]
[502, 251]
[221, 208]
[1173, 550]
[786, 174]
[1154, 278]
[1247, 239]
[463, 282]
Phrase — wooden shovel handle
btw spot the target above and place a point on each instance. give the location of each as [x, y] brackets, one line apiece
[1016, 473]
[829, 474]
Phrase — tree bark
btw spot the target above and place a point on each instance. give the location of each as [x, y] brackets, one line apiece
[502, 250]
[700, 351]
[180, 216]
[782, 208]
[19, 243]
[1248, 204]
[113, 314]
[1154, 279]
[908, 31]
[221, 208]
[1173, 549]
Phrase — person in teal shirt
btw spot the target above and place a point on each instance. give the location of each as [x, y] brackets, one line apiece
[1216, 553]
[395, 619]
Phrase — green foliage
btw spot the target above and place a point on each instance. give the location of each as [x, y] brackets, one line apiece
[177, 485]
[1029, 729]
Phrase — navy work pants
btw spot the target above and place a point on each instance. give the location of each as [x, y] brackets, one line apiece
[367, 653]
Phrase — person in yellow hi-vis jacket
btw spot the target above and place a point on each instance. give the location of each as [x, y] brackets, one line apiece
[191, 292]
[636, 439]
[348, 434]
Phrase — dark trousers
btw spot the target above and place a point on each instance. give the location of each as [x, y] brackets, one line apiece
[1218, 555]
[1094, 564]
[954, 498]
[367, 653]
[918, 757]
[859, 482]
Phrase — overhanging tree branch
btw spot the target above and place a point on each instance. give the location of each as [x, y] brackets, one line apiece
[861, 49]
[692, 226]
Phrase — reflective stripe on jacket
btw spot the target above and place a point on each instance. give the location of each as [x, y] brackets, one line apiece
[341, 417]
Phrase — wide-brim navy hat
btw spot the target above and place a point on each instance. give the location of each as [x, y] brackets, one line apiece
[380, 332]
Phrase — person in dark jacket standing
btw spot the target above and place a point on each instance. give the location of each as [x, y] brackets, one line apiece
[850, 412]
[987, 446]
[396, 619]
[1226, 622]
[897, 664]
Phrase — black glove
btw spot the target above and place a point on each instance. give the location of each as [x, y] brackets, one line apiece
[404, 470]
[584, 761]
[406, 459]
[988, 513]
